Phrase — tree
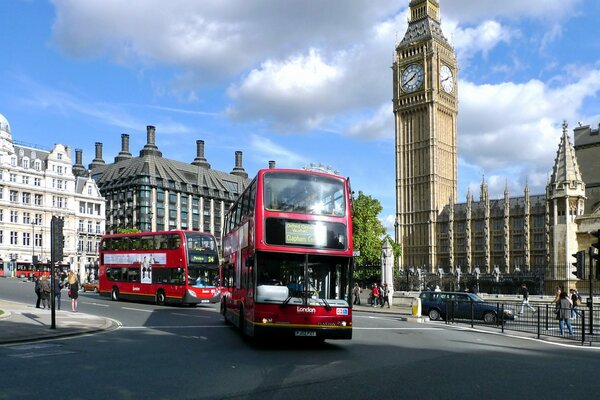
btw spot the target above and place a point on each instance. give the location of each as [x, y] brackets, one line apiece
[128, 230]
[368, 229]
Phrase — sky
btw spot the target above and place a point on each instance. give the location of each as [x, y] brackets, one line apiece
[297, 82]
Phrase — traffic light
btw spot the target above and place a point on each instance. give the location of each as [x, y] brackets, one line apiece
[58, 239]
[579, 264]
[595, 253]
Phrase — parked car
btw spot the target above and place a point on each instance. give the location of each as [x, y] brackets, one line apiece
[90, 286]
[460, 305]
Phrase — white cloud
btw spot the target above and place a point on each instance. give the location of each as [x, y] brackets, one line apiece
[476, 10]
[481, 39]
[513, 129]
[379, 126]
[263, 148]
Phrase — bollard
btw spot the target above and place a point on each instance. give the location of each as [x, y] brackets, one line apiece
[416, 307]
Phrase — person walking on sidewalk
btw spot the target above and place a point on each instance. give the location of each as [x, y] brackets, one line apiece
[564, 313]
[356, 292]
[38, 291]
[374, 295]
[73, 283]
[525, 302]
[385, 295]
[576, 301]
[45, 292]
[57, 289]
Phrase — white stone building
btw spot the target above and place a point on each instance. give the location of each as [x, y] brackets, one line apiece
[35, 185]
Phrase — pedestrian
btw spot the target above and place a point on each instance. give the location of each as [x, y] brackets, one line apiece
[356, 291]
[73, 283]
[57, 288]
[557, 295]
[38, 291]
[525, 302]
[45, 286]
[576, 301]
[380, 288]
[564, 306]
[385, 295]
[374, 295]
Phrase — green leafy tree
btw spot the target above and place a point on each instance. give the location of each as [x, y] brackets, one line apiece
[128, 230]
[368, 229]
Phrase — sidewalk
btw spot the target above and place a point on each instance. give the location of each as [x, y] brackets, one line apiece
[24, 323]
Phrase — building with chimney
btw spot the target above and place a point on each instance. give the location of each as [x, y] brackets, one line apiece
[153, 193]
[35, 185]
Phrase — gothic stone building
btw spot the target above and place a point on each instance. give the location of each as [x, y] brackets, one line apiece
[492, 235]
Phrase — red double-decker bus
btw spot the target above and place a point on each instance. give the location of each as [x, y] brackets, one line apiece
[180, 267]
[287, 256]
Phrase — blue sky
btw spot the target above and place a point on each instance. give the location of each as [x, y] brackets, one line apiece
[297, 82]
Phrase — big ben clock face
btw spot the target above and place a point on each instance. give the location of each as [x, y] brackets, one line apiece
[446, 79]
[412, 78]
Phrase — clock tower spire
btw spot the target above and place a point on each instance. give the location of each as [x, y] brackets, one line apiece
[425, 102]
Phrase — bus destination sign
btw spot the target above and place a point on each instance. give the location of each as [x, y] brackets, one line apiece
[305, 234]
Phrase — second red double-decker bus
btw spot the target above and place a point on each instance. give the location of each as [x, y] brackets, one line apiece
[164, 267]
[287, 256]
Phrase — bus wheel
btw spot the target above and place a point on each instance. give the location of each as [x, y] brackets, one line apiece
[160, 298]
[114, 294]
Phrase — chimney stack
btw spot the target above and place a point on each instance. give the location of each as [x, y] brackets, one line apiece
[78, 168]
[239, 169]
[124, 154]
[150, 148]
[97, 161]
[200, 160]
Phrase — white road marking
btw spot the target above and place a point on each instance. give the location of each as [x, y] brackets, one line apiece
[193, 316]
[397, 329]
[174, 327]
[97, 304]
[137, 309]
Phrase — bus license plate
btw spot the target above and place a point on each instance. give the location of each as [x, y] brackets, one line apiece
[306, 333]
[204, 301]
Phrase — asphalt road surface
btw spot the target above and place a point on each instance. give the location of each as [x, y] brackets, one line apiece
[189, 353]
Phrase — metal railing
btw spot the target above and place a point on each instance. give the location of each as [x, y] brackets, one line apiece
[541, 321]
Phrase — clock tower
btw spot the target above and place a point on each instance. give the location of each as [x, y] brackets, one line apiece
[425, 111]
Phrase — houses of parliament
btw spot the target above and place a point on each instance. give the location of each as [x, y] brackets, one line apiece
[439, 232]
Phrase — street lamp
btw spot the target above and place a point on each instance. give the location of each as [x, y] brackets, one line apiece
[150, 215]
[33, 244]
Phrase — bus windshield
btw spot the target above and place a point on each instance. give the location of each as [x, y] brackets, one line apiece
[302, 193]
[302, 276]
[203, 263]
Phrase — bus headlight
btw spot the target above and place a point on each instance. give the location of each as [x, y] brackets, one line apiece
[343, 323]
[192, 293]
[267, 320]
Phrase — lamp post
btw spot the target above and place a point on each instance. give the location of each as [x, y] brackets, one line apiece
[150, 215]
[33, 245]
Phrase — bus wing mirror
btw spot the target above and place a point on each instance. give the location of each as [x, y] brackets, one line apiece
[249, 261]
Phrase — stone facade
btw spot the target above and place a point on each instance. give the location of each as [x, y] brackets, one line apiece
[494, 236]
[35, 185]
[152, 193]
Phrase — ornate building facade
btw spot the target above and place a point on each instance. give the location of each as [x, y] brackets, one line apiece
[152, 193]
[425, 102]
[35, 185]
[490, 236]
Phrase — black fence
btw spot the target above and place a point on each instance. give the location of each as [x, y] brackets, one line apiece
[409, 281]
[538, 320]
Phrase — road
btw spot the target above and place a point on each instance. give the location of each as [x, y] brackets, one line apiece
[189, 353]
